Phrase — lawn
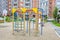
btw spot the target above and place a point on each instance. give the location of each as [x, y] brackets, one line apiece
[56, 24]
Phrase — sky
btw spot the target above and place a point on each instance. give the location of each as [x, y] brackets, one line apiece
[58, 3]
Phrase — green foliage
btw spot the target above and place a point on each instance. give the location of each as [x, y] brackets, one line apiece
[56, 23]
[8, 19]
[58, 17]
[55, 12]
[45, 17]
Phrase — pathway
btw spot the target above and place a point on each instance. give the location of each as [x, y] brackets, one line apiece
[48, 34]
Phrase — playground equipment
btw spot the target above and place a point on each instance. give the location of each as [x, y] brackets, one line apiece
[20, 19]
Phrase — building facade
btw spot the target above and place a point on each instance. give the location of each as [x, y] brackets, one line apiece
[58, 4]
[29, 3]
[51, 8]
[23, 4]
[20, 3]
[14, 3]
[3, 5]
[44, 6]
[35, 3]
[26, 4]
[9, 6]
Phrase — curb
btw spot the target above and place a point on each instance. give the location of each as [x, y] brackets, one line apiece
[57, 34]
[56, 31]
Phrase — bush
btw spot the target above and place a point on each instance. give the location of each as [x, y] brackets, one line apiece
[55, 13]
[56, 23]
[45, 17]
[8, 19]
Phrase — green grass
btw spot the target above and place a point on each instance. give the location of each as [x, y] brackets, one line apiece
[56, 24]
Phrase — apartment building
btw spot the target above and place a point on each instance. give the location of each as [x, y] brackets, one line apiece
[20, 3]
[35, 3]
[11, 4]
[58, 4]
[3, 5]
[51, 8]
[14, 3]
[9, 7]
[44, 6]
[25, 4]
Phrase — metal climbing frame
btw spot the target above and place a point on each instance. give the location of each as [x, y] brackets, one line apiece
[23, 11]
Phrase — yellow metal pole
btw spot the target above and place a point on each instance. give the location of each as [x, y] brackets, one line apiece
[24, 10]
[24, 20]
[36, 22]
[29, 23]
[13, 25]
[13, 10]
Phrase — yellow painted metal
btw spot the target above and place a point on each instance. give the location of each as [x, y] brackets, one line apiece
[35, 10]
[13, 10]
[36, 28]
[29, 23]
[24, 20]
[23, 10]
[13, 24]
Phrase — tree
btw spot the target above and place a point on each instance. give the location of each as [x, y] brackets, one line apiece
[55, 13]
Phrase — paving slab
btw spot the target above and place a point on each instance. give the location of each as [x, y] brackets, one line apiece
[48, 34]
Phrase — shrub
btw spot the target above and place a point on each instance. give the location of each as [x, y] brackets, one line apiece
[8, 19]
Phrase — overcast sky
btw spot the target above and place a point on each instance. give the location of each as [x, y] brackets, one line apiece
[58, 1]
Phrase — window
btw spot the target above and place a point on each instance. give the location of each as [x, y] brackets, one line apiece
[27, 4]
[15, 4]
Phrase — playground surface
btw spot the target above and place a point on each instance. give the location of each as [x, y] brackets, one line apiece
[48, 33]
